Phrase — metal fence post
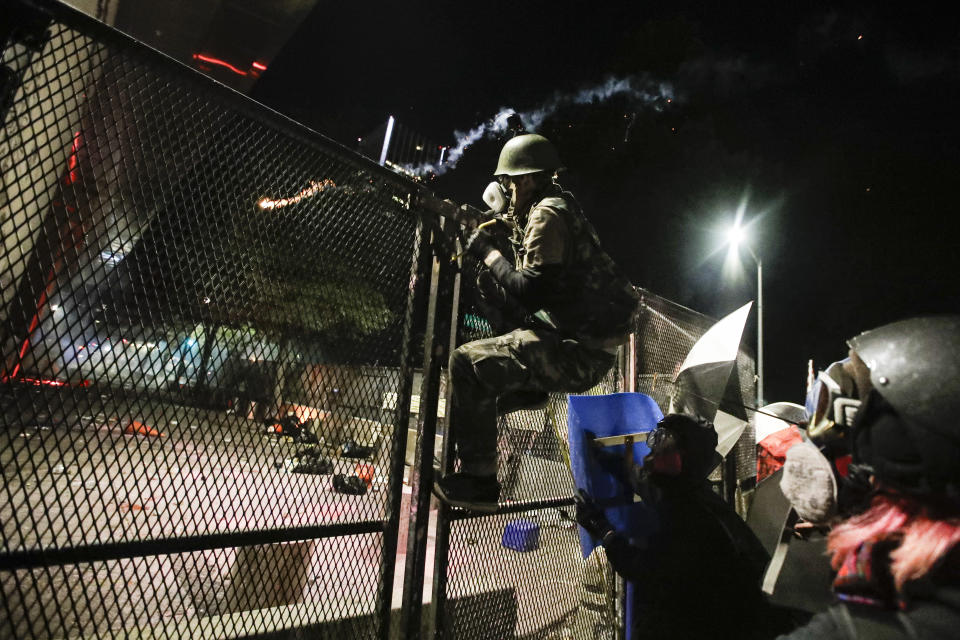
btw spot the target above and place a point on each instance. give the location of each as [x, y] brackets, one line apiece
[442, 535]
[436, 353]
[420, 277]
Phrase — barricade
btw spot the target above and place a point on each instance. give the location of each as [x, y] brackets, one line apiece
[223, 335]
[208, 312]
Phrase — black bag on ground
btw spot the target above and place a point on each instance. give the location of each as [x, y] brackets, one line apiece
[351, 485]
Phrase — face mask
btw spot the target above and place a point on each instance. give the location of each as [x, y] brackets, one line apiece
[495, 196]
[668, 463]
[809, 484]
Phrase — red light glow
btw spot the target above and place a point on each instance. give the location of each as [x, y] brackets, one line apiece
[73, 171]
[220, 63]
[259, 66]
[38, 382]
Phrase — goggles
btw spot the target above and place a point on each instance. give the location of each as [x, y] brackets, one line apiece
[658, 437]
[830, 404]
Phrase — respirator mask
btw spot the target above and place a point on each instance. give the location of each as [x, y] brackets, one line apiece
[832, 404]
[809, 484]
[496, 197]
[809, 480]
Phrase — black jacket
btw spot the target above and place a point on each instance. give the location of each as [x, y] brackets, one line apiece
[699, 575]
[932, 613]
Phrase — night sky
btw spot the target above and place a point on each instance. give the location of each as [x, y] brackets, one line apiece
[834, 130]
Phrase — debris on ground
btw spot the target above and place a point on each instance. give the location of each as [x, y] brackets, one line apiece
[365, 472]
[290, 426]
[139, 429]
[309, 460]
[351, 485]
[350, 449]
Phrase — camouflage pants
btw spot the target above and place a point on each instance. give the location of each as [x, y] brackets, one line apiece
[500, 374]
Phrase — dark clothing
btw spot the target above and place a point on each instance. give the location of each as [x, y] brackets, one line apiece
[699, 575]
[925, 620]
[562, 272]
[486, 372]
[563, 284]
[930, 610]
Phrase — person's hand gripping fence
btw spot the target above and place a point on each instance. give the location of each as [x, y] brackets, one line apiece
[479, 243]
[591, 517]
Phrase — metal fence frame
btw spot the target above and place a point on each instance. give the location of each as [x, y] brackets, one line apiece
[29, 32]
[433, 318]
[634, 373]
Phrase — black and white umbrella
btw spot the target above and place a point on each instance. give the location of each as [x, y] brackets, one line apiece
[708, 383]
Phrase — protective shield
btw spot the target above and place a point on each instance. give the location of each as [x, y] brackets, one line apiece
[603, 416]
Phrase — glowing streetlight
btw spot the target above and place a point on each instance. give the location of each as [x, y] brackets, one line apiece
[736, 237]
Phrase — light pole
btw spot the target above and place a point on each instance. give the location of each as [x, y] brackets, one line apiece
[736, 237]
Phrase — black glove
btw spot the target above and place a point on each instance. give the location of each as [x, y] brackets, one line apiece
[590, 517]
[489, 289]
[480, 244]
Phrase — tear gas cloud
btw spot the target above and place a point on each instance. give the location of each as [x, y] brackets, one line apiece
[645, 92]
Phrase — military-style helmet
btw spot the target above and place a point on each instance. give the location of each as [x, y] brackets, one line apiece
[528, 153]
[908, 429]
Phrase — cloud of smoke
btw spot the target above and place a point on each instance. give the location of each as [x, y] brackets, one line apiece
[646, 92]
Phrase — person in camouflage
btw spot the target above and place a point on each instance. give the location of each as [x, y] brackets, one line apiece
[567, 303]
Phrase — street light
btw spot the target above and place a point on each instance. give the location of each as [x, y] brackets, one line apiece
[737, 237]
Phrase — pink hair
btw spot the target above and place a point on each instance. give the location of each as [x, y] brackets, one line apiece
[923, 539]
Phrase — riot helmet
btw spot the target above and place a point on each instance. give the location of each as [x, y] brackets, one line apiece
[527, 153]
[907, 430]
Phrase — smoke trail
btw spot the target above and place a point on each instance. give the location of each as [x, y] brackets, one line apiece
[647, 92]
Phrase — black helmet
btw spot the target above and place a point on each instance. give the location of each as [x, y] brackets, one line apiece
[908, 429]
[695, 436]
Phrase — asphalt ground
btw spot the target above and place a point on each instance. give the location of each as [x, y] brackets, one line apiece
[74, 476]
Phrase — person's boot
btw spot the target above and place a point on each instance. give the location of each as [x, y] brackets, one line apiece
[467, 491]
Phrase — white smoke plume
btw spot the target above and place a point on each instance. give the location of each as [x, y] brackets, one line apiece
[643, 90]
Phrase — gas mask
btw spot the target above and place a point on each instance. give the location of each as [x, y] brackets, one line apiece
[809, 484]
[496, 197]
[832, 404]
[809, 481]
[664, 454]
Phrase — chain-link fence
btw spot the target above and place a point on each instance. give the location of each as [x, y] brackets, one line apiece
[487, 588]
[224, 340]
[207, 314]
[665, 333]
[484, 585]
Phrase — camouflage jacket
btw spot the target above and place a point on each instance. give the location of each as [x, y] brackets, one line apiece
[586, 296]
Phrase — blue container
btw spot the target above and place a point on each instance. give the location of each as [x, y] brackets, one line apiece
[521, 535]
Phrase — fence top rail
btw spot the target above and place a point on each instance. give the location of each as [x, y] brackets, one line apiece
[647, 295]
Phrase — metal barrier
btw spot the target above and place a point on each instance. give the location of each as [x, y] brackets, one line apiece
[664, 335]
[482, 589]
[207, 312]
[215, 327]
